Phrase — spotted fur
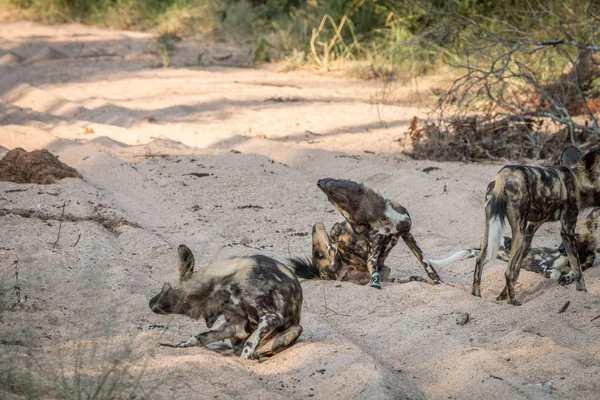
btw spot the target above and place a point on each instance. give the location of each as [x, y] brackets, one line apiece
[527, 197]
[342, 255]
[554, 263]
[363, 241]
[259, 297]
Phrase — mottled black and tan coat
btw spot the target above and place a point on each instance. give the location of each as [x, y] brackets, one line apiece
[360, 245]
[554, 263]
[529, 196]
[342, 255]
[259, 297]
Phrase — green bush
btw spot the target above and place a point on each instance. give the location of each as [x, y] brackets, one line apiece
[413, 34]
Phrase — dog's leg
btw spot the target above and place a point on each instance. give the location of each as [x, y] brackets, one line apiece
[226, 331]
[280, 342]
[373, 253]
[416, 250]
[266, 325]
[563, 273]
[530, 231]
[480, 261]
[567, 233]
[520, 248]
[518, 227]
[387, 245]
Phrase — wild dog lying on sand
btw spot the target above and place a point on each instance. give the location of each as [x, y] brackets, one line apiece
[529, 196]
[554, 263]
[259, 297]
[381, 222]
[342, 255]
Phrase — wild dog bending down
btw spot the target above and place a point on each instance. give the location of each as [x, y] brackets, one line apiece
[529, 196]
[554, 264]
[259, 297]
[342, 255]
[373, 226]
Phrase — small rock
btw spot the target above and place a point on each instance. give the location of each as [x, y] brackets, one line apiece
[429, 169]
[462, 319]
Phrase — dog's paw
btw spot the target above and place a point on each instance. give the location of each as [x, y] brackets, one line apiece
[565, 279]
[375, 280]
[514, 302]
[248, 354]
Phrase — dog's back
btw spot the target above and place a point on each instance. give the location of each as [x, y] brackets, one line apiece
[541, 192]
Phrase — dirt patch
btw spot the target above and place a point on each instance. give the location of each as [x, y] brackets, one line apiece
[38, 166]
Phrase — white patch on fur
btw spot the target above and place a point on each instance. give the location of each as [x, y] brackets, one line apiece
[561, 264]
[227, 267]
[286, 271]
[555, 274]
[459, 255]
[488, 197]
[494, 236]
[394, 216]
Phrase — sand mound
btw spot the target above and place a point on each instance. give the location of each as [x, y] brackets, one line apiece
[9, 58]
[39, 166]
[45, 54]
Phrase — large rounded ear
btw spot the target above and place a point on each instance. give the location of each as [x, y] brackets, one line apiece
[570, 156]
[591, 162]
[186, 262]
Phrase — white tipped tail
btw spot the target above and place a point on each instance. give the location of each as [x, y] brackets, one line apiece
[459, 255]
[494, 236]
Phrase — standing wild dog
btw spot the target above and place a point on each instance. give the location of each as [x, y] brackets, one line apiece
[259, 297]
[554, 263]
[342, 255]
[529, 196]
[378, 222]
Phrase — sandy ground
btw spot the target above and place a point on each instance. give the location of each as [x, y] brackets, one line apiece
[135, 131]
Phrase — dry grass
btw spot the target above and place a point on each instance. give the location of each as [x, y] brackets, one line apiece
[472, 138]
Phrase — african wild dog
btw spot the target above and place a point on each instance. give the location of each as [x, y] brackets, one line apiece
[342, 255]
[378, 222]
[554, 263]
[259, 297]
[529, 196]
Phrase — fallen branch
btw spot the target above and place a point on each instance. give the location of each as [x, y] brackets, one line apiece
[564, 307]
[62, 214]
[78, 237]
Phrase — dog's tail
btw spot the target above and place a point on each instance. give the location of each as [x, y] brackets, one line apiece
[496, 215]
[459, 255]
[303, 267]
